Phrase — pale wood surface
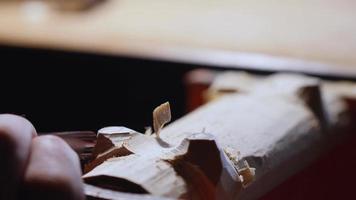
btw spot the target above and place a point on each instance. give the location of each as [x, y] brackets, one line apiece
[98, 192]
[268, 131]
[175, 171]
[270, 121]
[322, 33]
[278, 125]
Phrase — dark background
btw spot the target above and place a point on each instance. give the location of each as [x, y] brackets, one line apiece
[59, 91]
[66, 91]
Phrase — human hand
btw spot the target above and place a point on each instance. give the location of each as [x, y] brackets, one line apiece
[36, 167]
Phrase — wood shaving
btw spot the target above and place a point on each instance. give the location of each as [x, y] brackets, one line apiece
[148, 131]
[244, 170]
[247, 173]
[161, 116]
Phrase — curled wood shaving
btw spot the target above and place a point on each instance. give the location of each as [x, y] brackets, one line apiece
[244, 170]
[233, 155]
[247, 173]
[161, 116]
[148, 130]
[114, 130]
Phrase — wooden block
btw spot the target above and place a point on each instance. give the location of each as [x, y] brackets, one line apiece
[277, 123]
[194, 168]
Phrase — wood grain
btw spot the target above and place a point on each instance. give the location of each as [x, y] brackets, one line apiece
[278, 124]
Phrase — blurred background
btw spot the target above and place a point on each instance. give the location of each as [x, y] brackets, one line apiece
[84, 64]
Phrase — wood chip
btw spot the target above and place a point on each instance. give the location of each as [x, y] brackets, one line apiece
[110, 143]
[161, 116]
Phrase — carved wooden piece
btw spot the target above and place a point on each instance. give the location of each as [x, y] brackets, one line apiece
[336, 97]
[277, 125]
[331, 102]
[94, 192]
[266, 131]
[170, 171]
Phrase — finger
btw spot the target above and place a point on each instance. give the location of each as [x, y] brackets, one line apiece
[53, 171]
[16, 134]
